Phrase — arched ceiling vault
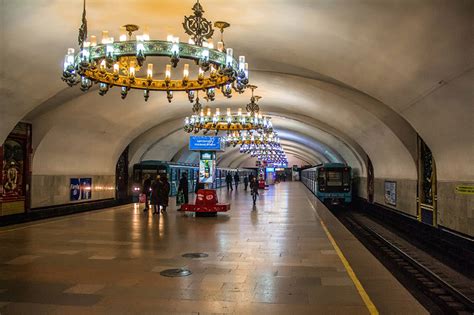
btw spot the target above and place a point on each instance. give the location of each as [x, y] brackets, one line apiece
[369, 75]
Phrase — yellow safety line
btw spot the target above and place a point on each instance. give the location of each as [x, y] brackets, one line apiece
[363, 294]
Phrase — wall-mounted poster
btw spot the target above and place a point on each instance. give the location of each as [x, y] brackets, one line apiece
[86, 188]
[75, 189]
[390, 193]
[80, 189]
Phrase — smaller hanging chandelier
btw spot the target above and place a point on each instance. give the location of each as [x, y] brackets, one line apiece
[204, 120]
[266, 152]
[245, 138]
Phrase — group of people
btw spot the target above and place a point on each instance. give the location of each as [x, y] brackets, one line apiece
[156, 193]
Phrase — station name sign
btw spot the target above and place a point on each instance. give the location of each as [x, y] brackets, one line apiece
[206, 143]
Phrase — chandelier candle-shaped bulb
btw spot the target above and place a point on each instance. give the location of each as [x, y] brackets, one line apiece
[242, 63]
[149, 71]
[116, 68]
[175, 46]
[123, 34]
[146, 34]
[93, 40]
[210, 43]
[228, 112]
[103, 65]
[220, 46]
[218, 112]
[200, 74]
[170, 38]
[239, 112]
[140, 46]
[191, 41]
[208, 112]
[168, 73]
[229, 56]
[110, 50]
[186, 72]
[105, 37]
[213, 70]
[85, 51]
[131, 72]
[69, 58]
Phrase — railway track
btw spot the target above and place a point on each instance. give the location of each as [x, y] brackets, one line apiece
[439, 288]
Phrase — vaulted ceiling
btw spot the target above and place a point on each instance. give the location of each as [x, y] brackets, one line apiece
[343, 81]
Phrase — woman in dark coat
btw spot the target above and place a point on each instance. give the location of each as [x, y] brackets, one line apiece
[154, 198]
[163, 192]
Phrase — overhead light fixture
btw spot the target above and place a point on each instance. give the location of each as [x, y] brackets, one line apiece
[203, 119]
[127, 63]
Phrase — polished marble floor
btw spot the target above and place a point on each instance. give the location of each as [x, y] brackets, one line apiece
[274, 259]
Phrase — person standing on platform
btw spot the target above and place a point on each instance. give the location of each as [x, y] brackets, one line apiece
[228, 180]
[146, 191]
[236, 180]
[183, 187]
[154, 195]
[246, 182]
[163, 192]
[254, 189]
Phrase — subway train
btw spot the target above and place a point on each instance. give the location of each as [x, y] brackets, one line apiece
[174, 172]
[330, 182]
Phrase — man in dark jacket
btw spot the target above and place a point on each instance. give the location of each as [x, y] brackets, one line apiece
[236, 180]
[146, 191]
[183, 187]
[228, 180]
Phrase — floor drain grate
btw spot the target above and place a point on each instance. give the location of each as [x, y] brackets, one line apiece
[195, 255]
[182, 272]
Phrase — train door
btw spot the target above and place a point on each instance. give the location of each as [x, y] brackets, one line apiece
[427, 194]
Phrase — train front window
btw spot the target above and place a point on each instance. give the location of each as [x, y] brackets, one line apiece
[334, 178]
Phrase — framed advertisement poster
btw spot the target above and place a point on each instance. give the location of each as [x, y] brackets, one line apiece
[206, 171]
[390, 193]
[86, 188]
[75, 189]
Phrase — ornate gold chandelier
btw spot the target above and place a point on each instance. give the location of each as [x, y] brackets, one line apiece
[112, 63]
[204, 120]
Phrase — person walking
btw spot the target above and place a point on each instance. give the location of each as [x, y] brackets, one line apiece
[183, 187]
[228, 180]
[146, 191]
[254, 190]
[163, 192]
[154, 195]
[236, 180]
[246, 182]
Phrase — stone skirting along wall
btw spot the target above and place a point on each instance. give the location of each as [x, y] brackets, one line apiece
[455, 210]
[51, 190]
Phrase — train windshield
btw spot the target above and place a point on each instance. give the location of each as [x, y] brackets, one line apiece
[334, 178]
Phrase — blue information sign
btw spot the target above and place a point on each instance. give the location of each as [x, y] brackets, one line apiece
[205, 143]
